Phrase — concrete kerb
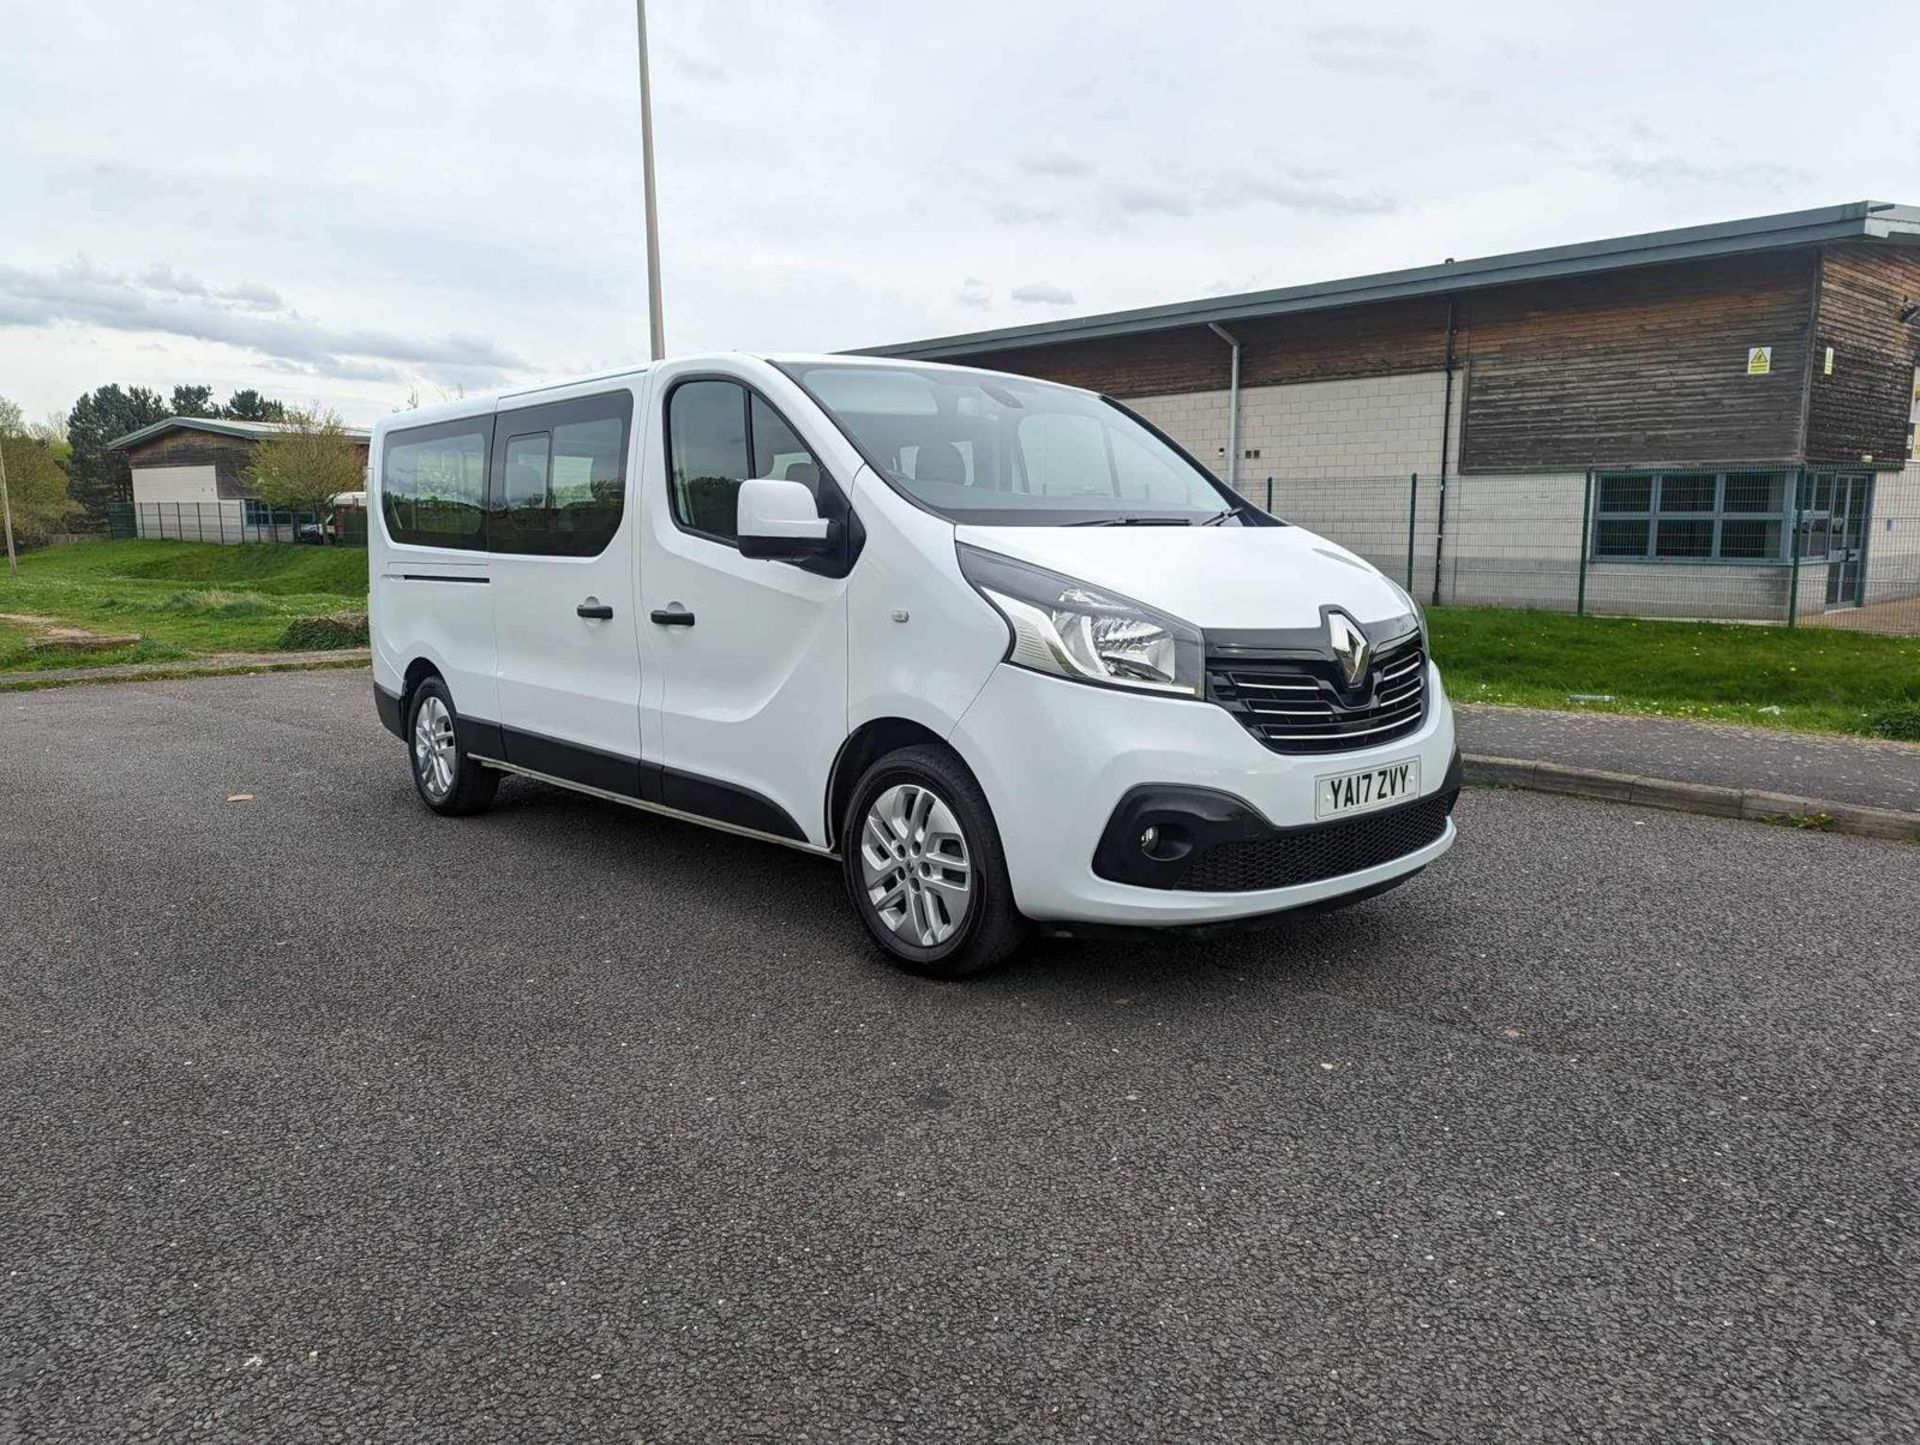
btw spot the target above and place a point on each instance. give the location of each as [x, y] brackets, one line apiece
[1755, 804]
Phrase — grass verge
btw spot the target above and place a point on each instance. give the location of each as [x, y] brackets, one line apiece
[1808, 678]
[183, 599]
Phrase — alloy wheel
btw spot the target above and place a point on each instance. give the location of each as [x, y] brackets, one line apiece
[433, 747]
[915, 866]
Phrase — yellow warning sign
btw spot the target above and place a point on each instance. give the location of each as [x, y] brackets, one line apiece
[1759, 360]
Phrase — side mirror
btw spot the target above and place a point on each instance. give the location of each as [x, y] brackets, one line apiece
[778, 520]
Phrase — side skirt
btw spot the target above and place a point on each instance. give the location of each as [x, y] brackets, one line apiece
[799, 845]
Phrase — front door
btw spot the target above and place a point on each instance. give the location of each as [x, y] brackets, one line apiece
[560, 530]
[1847, 538]
[752, 653]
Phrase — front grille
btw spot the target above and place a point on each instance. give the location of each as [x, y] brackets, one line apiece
[1325, 850]
[1299, 703]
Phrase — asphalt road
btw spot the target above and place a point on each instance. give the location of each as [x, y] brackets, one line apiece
[1867, 771]
[324, 1118]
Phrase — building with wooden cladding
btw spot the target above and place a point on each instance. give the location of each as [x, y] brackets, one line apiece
[1686, 422]
[189, 479]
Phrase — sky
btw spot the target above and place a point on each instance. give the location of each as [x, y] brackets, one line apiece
[349, 203]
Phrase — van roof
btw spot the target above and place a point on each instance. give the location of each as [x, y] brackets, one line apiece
[486, 402]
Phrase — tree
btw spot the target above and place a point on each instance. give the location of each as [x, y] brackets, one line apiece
[307, 464]
[194, 401]
[98, 474]
[36, 482]
[249, 405]
[52, 429]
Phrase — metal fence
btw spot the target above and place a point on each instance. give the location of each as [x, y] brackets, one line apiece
[1796, 546]
[232, 522]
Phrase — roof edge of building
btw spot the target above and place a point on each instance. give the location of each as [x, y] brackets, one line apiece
[219, 426]
[1872, 220]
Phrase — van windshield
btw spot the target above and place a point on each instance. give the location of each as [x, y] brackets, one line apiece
[994, 450]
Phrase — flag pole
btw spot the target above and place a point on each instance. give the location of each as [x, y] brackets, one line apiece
[656, 325]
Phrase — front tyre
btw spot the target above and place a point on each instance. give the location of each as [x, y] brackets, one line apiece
[924, 868]
[448, 780]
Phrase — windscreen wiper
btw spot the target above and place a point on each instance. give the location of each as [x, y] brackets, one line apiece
[1130, 522]
[1233, 510]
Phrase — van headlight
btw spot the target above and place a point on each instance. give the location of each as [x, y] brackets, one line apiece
[1073, 630]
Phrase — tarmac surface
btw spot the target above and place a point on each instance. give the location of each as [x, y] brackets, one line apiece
[327, 1118]
[1866, 771]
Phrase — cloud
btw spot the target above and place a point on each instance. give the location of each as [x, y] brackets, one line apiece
[249, 316]
[1057, 164]
[163, 278]
[1042, 293]
[1676, 172]
[1312, 198]
[1023, 213]
[1360, 48]
[973, 292]
[1135, 199]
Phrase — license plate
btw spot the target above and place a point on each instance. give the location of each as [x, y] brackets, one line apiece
[1337, 794]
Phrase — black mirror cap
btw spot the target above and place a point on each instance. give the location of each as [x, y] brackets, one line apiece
[791, 549]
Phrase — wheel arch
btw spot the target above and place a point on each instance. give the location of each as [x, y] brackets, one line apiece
[864, 747]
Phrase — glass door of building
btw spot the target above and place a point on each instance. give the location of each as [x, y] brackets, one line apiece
[1847, 538]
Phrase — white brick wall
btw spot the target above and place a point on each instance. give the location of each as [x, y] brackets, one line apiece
[175, 484]
[1340, 455]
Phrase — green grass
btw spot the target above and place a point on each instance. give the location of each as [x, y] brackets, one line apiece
[1811, 678]
[183, 599]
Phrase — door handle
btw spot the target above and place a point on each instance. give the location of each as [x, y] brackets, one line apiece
[599, 611]
[674, 616]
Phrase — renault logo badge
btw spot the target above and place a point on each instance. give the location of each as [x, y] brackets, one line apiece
[1350, 647]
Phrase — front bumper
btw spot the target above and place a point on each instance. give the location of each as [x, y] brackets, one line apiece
[1057, 759]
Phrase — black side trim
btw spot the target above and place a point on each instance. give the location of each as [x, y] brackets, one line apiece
[387, 704]
[608, 772]
[631, 778]
[482, 739]
[726, 803]
[438, 577]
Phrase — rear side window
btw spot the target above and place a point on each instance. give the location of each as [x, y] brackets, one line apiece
[433, 484]
[561, 480]
[719, 434]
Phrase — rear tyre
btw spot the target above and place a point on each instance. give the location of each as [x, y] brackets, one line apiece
[448, 780]
[924, 868]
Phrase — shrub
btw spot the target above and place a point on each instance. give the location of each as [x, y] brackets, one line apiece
[1900, 720]
[323, 634]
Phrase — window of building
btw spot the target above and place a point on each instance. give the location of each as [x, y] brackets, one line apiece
[1739, 516]
[561, 476]
[433, 484]
[719, 434]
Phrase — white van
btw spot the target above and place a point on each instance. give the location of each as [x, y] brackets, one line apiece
[999, 646]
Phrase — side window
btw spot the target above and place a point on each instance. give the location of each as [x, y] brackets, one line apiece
[707, 440]
[524, 483]
[778, 452]
[561, 484]
[718, 435]
[433, 485]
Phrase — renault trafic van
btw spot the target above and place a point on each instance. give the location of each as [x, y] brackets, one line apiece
[998, 646]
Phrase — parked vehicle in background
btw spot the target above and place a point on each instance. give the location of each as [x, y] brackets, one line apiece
[995, 644]
[333, 524]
